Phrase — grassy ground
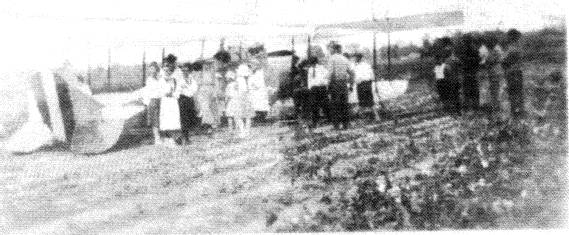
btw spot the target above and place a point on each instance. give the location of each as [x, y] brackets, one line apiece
[425, 171]
[216, 184]
[436, 172]
[422, 171]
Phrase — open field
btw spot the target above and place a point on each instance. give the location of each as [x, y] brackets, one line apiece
[272, 182]
[425, 171]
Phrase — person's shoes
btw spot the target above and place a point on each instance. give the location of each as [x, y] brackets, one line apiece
[169, 142]
[242, 135]
[313, 126]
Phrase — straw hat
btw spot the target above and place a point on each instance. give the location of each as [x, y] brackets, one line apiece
[317, 51]
[171, 59]
[256, 48]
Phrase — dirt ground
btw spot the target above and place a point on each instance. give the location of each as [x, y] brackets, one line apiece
[216, 184]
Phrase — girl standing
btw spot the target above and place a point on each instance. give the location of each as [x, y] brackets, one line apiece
[259, 93]
[187, 88]
[231, 97]
[169, 105]
[239, 105]
[154, 89]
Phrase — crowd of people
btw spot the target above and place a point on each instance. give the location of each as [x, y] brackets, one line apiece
[184, 98]
[461, 65]
[328, 86]
[333, 86]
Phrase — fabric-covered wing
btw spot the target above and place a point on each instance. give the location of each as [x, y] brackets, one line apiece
[405, 23]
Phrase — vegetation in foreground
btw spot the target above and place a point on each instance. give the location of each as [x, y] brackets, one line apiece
[433, 171]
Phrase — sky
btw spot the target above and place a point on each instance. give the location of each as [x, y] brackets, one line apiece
[40, 34]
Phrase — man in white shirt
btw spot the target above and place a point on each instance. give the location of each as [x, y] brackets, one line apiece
[317, 83]
[341, 79]
[364, 83]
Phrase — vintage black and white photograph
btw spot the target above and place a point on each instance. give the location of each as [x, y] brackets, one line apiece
[282, 116]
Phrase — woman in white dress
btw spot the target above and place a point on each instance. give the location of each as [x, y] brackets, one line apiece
[231, 95]
[259, 92]
[169, 107]
[153, 91]
[206, 94]
[239, 106]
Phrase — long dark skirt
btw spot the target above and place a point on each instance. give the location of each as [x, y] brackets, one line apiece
[365, 95]
[471, 91]
[318, 102]
[188, 115]
[494, 90]
[153, 113]
[301, 98]
[449, 95]
[515, 83]
[339, 107]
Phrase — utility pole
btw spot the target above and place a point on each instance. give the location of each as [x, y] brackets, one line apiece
[293, 52]
[163, 55]
[240, 49]
[388, 49]
[374, 59]
[203, 46]
[109, 70]
[88, 65]
[292, 44]
[222, 44]
[309, 48]
[144, 68]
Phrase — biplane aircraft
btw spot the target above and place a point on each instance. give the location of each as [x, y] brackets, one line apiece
[91, 124]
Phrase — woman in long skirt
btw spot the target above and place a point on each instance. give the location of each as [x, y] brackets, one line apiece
[259, 93]
[169, 105]
[206, 95]
[257, 86]
[154, 89]
[187, 88]
[364, 84]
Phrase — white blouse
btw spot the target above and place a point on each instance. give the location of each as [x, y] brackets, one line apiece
[440, 71]
[363, 72]
[317, 76]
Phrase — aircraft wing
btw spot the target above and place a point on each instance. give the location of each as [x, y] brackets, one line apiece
[405, 23]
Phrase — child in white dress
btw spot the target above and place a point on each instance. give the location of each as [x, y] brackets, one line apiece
[154, 89]
[239, 107]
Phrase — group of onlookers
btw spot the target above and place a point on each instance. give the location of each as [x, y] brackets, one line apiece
[330, 86]
[183, 99]
[461, 65]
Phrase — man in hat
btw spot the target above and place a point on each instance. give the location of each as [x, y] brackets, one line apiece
[341, 82]
[470, 60]
[317, 80]
[512, 65]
